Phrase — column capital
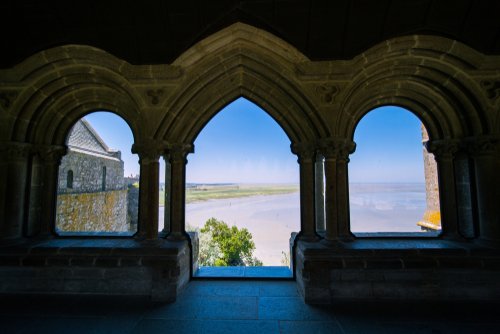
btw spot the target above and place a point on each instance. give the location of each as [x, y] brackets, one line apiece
[336, 148]
[304, 151]
[482, 145]
[443, 148]
[149, 151]
[51, 154]
[179, 151]
[15, 150]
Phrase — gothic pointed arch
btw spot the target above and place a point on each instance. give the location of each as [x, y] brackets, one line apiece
[240, 61]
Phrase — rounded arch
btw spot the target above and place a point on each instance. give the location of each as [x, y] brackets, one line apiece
[232, 64]
[67, 82]
[410, 72]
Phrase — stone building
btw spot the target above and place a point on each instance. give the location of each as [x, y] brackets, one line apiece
[317, 67]
[432, 217]
[91, 193]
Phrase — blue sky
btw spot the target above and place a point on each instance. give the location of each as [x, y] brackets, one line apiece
[243, 144]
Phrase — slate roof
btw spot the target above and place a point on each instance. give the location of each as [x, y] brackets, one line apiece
[84, 138]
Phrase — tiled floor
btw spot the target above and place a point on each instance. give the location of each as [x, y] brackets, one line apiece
[240, 307]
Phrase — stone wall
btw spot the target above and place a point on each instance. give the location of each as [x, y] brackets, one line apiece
[87, 172]
[93, 212]
[432, 216]
[133, 206]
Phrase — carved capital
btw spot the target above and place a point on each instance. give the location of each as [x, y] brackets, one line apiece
[336, 148]
[443, 149]
[51, 154]
[304, 151]
[178, 152]
[484, 145]
[15, 151]
[149, 152]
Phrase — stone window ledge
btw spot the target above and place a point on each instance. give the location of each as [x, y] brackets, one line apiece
[90, 252]
[400, 254]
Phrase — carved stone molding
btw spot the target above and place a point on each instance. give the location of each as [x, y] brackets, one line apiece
[327, 93]
[154, 95]
[149, 152]
[7, 98]
[492, 88]
[50, 154]
[15, 151]
[482, 145]
[336, 148]
[178, 152]
[304, 151]
[443, 149]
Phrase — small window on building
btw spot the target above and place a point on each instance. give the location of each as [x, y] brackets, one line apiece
[103, 178]
[69, 180]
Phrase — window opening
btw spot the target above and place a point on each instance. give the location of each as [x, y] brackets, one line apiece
[393, 187]
[103, 186]
[98, 185]
[69, 180]
[242, 194]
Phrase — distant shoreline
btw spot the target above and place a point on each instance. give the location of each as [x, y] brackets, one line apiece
[200, 192]
[206, 191]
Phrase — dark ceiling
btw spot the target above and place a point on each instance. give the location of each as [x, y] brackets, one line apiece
[152, 32]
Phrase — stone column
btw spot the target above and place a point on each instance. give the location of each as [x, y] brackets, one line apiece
[336, 153]
[149, 189]
[444, 152]
[485, 152]
[167, 196]
[319, 191]
[50, 158]
[178, 153]
[306, 158]
[14, 185]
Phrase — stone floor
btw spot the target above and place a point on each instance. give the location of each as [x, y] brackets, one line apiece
[245, 272]
[225, 306]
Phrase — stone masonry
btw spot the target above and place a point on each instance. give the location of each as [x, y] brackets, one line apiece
[92, 196]
[432, 216]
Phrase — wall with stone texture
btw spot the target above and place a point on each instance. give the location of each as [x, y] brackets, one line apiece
[87, 172]
[432, 215]
[93, 212]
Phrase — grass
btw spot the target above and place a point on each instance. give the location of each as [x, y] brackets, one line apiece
[208, 192]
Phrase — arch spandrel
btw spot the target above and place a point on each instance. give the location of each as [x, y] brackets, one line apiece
[235, 35]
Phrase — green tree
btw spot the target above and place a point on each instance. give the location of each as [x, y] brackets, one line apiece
[235, 245]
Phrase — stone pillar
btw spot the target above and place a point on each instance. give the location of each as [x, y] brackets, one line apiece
[444, 152]
[50, 157]
[167, 196]
[319, 187]
[149, 190]
[35, 197]
[306, 158]
[336, 153]
[15, 169]
[485, 152]
[178, 153]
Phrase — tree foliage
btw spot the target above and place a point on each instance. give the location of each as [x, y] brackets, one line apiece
[226, 246]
